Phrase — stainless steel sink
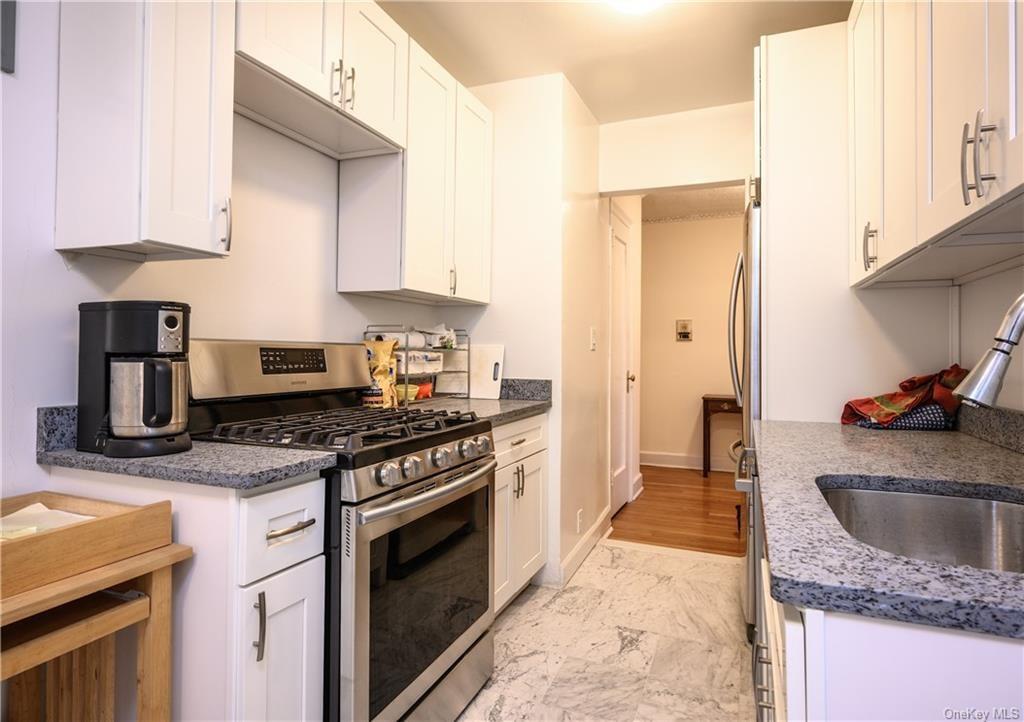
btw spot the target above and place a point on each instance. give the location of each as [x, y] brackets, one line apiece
[948, 529]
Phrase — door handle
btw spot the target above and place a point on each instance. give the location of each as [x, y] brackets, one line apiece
[338, 70]
[293, 529]
[737, 277]
[261, 642]
[518, 442]
[350, 78]
[630, 378]
[226, 210]
[868, 234]
[522, 481]
[980, 178]
[964, 187]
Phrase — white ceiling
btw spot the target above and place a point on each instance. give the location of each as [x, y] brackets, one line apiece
[690, 204]
[680, 56]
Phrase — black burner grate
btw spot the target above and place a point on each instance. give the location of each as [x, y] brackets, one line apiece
[342, 429]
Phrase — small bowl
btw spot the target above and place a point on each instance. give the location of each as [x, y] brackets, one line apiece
[406, 392]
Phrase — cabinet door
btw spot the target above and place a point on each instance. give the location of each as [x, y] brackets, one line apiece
[474, 161]
[865, 140]
[953, 71]
[376, 63]
[187, 125]
[528, 533]
[898, 232]
[1004, 149]
[300, 41]
[504, 488]
[288, 682]
[430, 176]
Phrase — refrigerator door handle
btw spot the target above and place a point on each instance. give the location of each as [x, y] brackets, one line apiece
[737, 278]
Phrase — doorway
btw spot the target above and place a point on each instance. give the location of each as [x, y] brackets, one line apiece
[670, 369]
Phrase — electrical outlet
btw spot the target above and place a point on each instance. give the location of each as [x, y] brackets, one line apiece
[579, 521]
[593, 339]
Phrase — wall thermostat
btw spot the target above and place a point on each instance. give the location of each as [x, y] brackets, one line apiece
[684, 330]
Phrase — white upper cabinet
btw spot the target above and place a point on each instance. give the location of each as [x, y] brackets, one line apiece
[144, 129]
[429, 176]
[474, 162]
[865, 138]
[1005, 147]
[300, 40]
[376, 69]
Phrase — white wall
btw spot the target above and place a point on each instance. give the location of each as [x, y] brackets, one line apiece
[687, 272]
[277, 284]
[824, 343]
[695, 147]
[983, 304]
[585, 305]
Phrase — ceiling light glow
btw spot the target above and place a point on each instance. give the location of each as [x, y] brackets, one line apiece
[636, 7]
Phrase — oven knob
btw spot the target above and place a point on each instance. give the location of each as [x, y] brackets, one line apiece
[441, 456]
[412, 466]
[484, 444]
[389, 473]
[468, 448]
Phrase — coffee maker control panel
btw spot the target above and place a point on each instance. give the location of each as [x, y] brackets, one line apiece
[169, 334]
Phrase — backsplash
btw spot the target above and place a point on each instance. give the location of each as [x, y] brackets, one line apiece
[1002, 427]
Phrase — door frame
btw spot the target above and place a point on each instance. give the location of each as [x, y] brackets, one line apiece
[633, 477]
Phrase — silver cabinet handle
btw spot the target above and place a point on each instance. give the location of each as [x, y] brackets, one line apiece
[452, 281]
[293, 529]
[338, 70]
[455, 283]
[515, 489]
[518, 442]
[261, 643]
[226, 240]
[868, 234]
[737, 277]
[964, 187]
[979, 177]
[522, 481]
[350, 78]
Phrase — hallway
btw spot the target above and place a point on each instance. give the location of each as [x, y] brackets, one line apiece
[639, 633]
[681, 509]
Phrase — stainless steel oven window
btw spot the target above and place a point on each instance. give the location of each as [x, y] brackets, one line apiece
[418, 588]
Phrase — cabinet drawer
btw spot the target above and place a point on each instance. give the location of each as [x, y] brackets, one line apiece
[279, 529]
[516, 441]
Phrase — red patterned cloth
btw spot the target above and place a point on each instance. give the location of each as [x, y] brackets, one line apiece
[917, 390]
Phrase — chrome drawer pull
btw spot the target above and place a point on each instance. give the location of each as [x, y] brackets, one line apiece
[518, 442]
[261, 643]
[293, 529]
[979, 177]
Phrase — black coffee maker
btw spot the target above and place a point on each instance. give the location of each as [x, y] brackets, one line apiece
[133, 378]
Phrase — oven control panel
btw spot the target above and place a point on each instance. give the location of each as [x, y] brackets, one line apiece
[293, 360]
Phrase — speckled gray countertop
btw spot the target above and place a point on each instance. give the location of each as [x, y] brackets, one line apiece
[235, 466]
[815, 563]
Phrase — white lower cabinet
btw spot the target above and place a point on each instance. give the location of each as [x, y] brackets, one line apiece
[280, 650]
[520, 509]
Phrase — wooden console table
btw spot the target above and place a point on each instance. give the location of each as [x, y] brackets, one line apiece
[715, 404]
[61, 635]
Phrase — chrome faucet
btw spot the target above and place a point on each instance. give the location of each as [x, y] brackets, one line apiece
[983, 383]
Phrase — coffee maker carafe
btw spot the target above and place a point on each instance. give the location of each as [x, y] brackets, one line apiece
[133, 378]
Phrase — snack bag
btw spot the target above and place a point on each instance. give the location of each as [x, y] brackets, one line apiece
[381, 358]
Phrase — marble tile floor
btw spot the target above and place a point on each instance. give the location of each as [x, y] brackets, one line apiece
[639, 633]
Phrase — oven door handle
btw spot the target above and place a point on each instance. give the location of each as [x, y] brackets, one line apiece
[383, 512]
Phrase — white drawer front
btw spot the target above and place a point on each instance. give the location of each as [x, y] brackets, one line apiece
[275, 529]
[516, 441]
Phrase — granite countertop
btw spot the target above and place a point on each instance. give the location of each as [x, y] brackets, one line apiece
[235, 466]
[815, 563]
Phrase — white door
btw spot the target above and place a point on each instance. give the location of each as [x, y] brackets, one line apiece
[619, 346]
[429, 176]
[953, 87]
[287, 683]
[504, 488]
[865, 139]
[187, 125]
[376, 69]
[527, 538]
[474, 162]
[1004, 155]
[899, 198]
[300, 41]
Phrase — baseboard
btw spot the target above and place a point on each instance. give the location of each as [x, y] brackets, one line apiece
[588, 541]
[685, 461]
[638, 486]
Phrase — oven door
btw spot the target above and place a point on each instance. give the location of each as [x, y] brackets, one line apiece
[417, 588]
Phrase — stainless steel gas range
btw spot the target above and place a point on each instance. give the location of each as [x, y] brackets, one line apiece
[410, 521]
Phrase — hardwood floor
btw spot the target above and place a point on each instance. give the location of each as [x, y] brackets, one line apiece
[679, 508]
